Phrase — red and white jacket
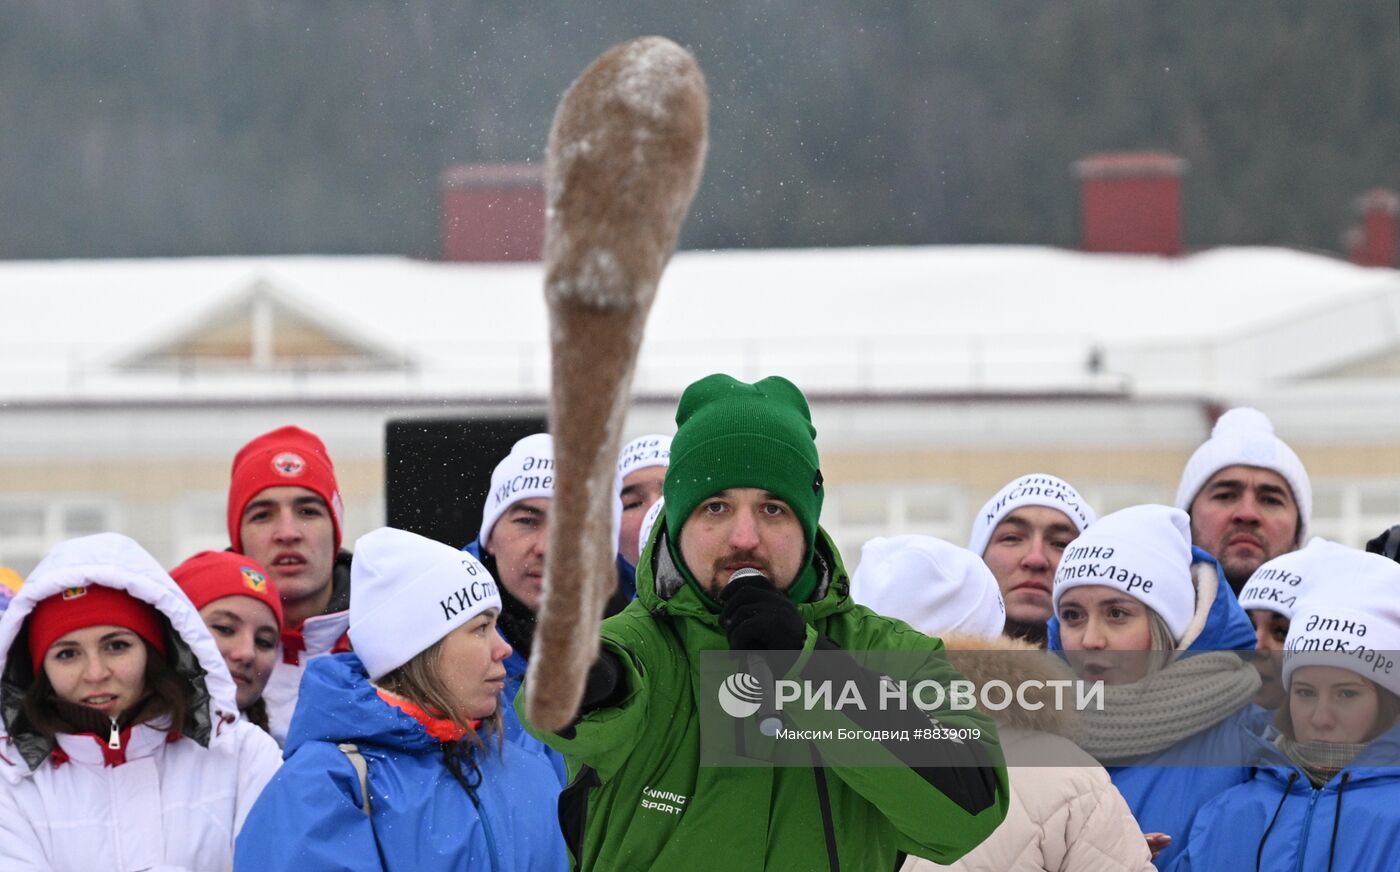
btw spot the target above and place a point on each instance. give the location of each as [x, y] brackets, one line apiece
[320, 635]
[162, 800]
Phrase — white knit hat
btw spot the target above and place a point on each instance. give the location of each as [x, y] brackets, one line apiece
[1036, 489]
[642, 452]
[407, 592]
[1277, 585]
[525, 473]
[1353, 624]
[932, 585]
[1245, 437]
[649, 522]
[1144, 551]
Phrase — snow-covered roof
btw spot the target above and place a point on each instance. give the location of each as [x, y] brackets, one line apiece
[865, 320]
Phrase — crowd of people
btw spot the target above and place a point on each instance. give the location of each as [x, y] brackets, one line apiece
[293, 704]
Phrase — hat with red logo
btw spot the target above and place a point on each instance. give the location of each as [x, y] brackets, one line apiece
[80, 607]
[285, 457]
[212, 575]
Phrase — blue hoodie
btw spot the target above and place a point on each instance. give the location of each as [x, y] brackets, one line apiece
[1162, 789]
[310, 817]
[1277, 818]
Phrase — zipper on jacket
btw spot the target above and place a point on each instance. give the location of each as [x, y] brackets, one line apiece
[485, 829]
[1307, 828]
[114, 740]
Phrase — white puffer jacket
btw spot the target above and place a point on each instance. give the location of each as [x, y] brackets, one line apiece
[1062, 818]
[320, 632]
[173, 805]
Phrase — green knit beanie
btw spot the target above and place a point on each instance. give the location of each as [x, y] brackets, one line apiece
[733, 434]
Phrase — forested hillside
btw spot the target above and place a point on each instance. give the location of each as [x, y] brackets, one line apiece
[134, 128]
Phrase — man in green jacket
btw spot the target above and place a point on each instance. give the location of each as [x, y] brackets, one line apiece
[744, 492]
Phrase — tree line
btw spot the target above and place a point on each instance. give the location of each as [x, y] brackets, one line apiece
[130, 128]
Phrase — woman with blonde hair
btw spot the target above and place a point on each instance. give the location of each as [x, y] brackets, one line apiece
[1152, 617]
[396, 754]
[1065, 814]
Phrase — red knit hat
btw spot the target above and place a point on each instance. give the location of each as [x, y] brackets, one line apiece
[286, 457]
[211, 575]
[91, 606]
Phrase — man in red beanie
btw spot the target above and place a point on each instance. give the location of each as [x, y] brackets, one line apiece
[285, 512]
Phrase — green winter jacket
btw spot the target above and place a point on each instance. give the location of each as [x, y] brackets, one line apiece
[639, 798]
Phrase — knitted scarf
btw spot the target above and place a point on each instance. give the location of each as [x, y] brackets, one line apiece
[1320, 761]
[1187, 697]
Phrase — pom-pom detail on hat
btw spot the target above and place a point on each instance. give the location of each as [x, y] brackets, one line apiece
[1243, 420]
[1245, 437]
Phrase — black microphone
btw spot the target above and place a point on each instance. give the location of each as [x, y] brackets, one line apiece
[770, 721]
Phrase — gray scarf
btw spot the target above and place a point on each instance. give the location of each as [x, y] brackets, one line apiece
[1187, 697]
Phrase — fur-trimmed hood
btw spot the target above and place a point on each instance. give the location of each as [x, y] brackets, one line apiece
[115, 561]
[1014, 661]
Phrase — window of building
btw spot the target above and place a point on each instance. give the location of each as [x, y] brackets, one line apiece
[1351, 512]
[1109, 497]
[198, 522]
[30, 526]
[853, 514]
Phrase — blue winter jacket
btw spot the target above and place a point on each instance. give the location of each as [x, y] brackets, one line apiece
[310, 817]
[1162, 789]
[1278, 821]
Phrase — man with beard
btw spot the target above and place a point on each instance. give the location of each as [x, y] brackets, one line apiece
[739, 562]
[1247, 493]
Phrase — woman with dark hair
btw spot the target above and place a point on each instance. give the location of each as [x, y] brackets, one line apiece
[122, 747]
[239, 604]
[1326, 791]
[397, 756]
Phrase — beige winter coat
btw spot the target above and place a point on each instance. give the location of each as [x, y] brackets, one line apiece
[1062, 818]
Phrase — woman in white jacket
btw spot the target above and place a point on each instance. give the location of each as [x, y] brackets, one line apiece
[1065, 814]
[121, 746]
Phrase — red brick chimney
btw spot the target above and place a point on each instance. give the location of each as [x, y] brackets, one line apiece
[1131, 202]
[492, 212]
[1372, 241]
